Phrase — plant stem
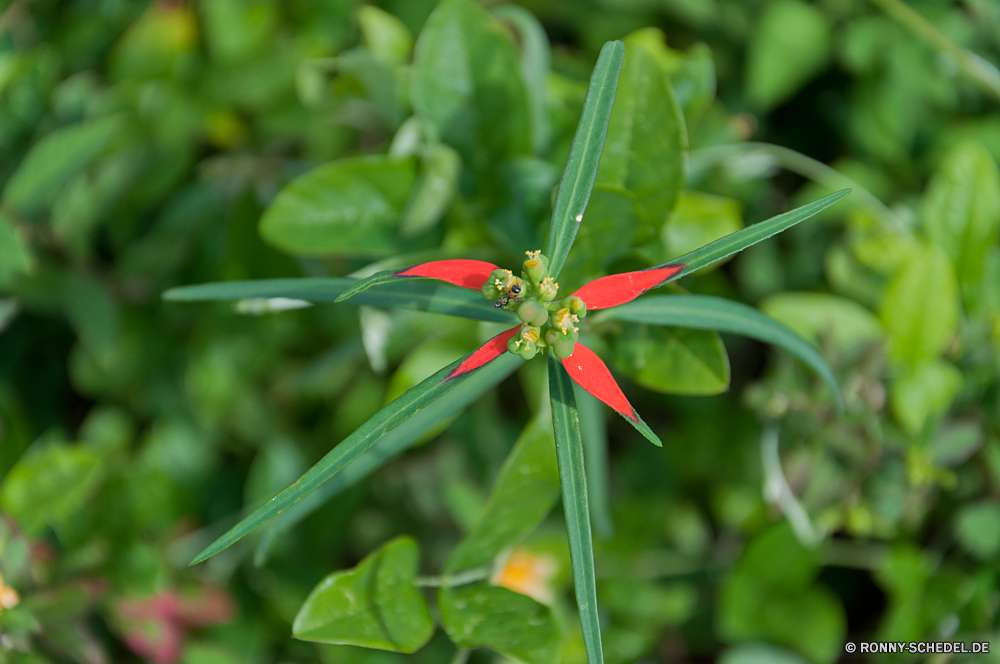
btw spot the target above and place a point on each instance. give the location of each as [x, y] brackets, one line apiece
[970, 64]
[453, 580]
[461, 656]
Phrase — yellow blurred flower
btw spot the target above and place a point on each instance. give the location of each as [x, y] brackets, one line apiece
[8, 596]
[529, 574]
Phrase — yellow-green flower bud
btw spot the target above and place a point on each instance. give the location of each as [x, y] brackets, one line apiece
[496, 284]
[565, 321]
[576, 306]
[535, 266]
[548, 289]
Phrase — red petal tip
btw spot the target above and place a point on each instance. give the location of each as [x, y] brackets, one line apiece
[461, 272]
[590, 373]
[485, 354]
[615, 289]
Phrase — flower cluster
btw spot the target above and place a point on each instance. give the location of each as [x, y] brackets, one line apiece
[547, 323]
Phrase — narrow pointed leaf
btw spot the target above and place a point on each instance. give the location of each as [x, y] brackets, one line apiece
[590, 373]
[751, 235]
[461, 272]
[390, 417]
[389, 446]
[616, 289]
[595, 446]
[704, 312]
[573, 479]
[420, 295]
[584, 155]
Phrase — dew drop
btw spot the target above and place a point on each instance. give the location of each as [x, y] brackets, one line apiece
[579, 217]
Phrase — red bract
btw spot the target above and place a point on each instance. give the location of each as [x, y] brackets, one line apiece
[460, 272]
[584, 366]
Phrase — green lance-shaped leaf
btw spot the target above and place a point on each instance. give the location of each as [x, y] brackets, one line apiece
[421, 295]
[572, 476]
[374, 605]
[54, 160]
[523, 494]
[749, 236]
[584, 155]
[390, 445]
[593, 425]
[704, 312]
[390, 417]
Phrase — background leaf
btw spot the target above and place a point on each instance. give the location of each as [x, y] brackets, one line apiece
[465, 79]
[477, 616]
[375, 605]
[350, 207]
[672, 360]
[790, 45]
[522, 497]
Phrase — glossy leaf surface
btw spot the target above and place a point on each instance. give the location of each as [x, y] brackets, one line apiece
[374, 605]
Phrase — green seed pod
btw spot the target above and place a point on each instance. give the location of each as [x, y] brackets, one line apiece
[512, 345]
[576, 305]
[563, 348]
[551, 336]
[541, 318]
[529, 310]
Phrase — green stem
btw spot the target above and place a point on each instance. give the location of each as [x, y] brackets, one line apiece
[809, 168]
[461, 656]
[979, 70]
[453, 580]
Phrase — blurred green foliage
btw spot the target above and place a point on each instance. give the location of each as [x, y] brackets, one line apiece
[147, 145]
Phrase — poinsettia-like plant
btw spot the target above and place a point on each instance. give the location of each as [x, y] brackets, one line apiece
[543, 322]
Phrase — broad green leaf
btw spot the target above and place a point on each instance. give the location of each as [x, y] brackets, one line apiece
[956, 442]
[421, 295]
[924, 391]
[672, 360]
[816, 315]
[93, 315]
[15, 254]
[522, 496]
[573, 478]
[961, 212]
[584, 156]
[54, 160]
[978, 529]
[350, 207]
[433, 193]
[465, 80]
[920, 307]
[514, 625]
[50, 485]
[646, 147]
[535, 69]
[694, 81]
[594, 430]
[607, 233]
[712, 313]
[699, 219]
[392, 444]
[387, 419]
[749, 236]
[790, 44]
[386, 37]
[374, 605]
